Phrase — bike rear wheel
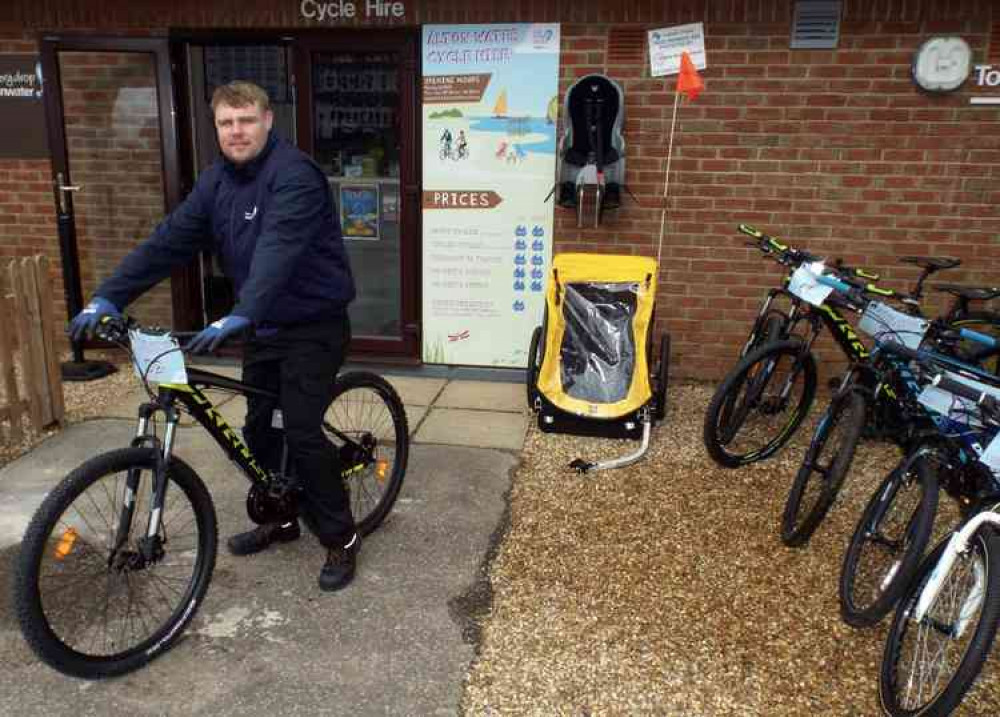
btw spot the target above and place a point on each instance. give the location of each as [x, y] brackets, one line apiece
[927, 668]
[887, 544]
[93, 595]
[760, 404]
[824, 467]
[367, 423]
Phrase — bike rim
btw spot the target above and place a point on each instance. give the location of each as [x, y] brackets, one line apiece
[766, 409]
[100, 601]
[930, 653]
[362, 415]
[887, 537]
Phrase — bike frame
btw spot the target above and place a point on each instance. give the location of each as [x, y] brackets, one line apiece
[191, 395]
[958, 544]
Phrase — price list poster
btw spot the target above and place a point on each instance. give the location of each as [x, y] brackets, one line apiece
[490, 103]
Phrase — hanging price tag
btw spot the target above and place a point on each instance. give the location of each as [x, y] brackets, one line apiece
[991, 456]
[805, 285]
[885, 323]
[158, 358]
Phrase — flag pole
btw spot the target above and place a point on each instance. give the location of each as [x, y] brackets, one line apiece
[666, 178]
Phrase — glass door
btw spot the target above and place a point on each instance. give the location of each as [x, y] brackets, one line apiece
[357, 122]
[109, 108]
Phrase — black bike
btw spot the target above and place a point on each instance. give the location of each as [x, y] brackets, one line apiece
[875, 396]
[896, 526]
[763, 400]
[117, 559]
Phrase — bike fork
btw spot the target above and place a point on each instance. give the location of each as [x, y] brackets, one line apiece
[160, 478]
[159, 485]
[958, 544]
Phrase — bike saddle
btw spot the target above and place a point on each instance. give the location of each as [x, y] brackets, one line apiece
[973, 293]
[932, 263]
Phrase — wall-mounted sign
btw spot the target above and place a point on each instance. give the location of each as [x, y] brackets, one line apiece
[340, 10]
[22, 111]
[987, 76]
[667, 44]
[942, 64]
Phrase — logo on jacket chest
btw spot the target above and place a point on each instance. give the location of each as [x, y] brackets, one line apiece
[249, 216]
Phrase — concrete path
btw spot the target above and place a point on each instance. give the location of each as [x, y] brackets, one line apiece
[266, 640]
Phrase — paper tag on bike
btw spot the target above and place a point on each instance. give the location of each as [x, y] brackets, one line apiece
[948, 404]
[157, 358]
[955, 407]
[885, 323]
[806, 286]
[991, 456]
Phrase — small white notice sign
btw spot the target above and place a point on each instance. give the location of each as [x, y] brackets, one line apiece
[667, 44]
[157, 358]
[806, 286]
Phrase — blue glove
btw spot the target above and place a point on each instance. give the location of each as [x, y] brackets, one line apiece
[84, 323]
[212, 336]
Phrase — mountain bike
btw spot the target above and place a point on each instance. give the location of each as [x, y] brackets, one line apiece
[946, 621]
[875, 391]
[762, 401]
[897, 523]
[117, 559]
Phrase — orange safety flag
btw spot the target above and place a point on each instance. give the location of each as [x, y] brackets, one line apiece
[689, 81]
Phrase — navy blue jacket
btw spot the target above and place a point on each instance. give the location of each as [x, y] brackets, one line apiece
[272, 222]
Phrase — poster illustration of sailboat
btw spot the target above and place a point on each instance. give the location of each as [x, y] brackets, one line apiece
[500, 108]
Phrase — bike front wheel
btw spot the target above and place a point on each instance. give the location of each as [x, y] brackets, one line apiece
[822, 473]
[927, 667]
[367, 424]
[96, 596]
[760, 404]
[886, 547]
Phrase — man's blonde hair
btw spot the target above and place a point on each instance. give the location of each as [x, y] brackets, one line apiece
[240, 94]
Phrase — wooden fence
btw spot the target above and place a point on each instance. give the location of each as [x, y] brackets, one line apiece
[30, 377]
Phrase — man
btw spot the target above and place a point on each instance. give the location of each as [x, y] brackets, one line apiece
[266, 210]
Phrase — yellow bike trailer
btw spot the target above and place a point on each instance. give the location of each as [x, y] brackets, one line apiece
[591, 368]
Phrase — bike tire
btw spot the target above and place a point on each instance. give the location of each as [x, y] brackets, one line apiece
[534, 365]
[367, 409]
[38, 610]
[965, 667]
[662, 379]
[863, 602]
[802, 515]
[766, 329]
[725, 403]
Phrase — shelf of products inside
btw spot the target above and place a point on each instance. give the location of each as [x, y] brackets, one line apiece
[353, 91]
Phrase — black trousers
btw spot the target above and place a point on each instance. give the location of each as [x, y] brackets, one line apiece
[300, 363]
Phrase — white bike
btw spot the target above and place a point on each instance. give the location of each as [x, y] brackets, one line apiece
[946, 621]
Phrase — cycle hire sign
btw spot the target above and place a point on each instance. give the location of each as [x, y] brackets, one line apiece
[490, 94]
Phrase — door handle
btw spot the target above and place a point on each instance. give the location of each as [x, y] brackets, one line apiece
[62, 189]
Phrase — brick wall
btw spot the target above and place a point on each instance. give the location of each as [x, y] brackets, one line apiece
[27, 219]
[836, 151]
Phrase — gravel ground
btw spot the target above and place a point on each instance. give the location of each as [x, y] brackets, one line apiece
[664, 588]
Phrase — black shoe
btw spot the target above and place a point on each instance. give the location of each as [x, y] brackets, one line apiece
[567, 195]
[338, 571]
[612, 196]
[253, 541]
